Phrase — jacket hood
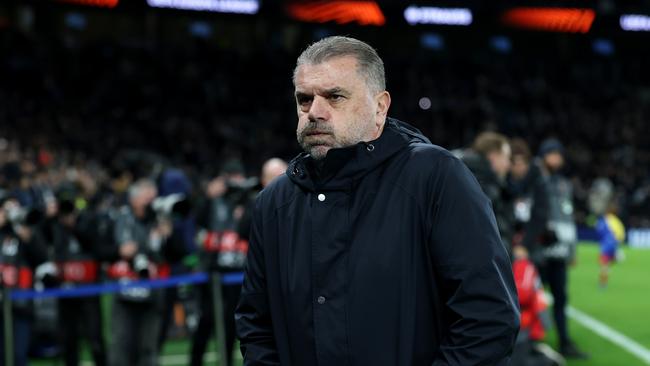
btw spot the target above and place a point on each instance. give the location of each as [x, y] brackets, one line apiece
[343, 166]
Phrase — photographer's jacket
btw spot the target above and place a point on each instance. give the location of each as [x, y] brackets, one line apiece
[156, 250]
[561, 221]
[75, 252]
[18, 262]
[387, 254]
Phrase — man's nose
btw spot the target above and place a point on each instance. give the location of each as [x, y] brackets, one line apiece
[319, 109]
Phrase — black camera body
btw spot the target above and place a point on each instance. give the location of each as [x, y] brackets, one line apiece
[24, 216]
[140, 265]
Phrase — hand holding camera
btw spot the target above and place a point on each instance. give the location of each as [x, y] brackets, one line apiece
[23, 232]
[128, 250]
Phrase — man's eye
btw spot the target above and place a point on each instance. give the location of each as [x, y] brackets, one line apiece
[335, 97]
[304, 100]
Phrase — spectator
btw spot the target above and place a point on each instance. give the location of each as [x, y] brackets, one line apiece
[489, 161]
[560, 250]
[21, 252]
[137, 313]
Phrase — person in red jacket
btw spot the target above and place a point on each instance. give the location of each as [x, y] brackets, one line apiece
[531, 296]
[530, 349]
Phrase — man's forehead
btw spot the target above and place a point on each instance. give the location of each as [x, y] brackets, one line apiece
[338, 72]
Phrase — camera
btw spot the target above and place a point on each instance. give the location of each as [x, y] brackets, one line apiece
[141, 265]
[171, 205]
[239, 190]
[18, 215]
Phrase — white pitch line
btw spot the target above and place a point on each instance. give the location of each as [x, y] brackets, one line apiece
[610, 334]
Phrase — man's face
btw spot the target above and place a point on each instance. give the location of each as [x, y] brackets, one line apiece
[144, 197]
[69, 220]
[335, 106]
[520, 167]
[554, 161]
[500, 161]
[272, 170]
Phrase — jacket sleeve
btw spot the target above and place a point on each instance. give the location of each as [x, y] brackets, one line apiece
[252, 316]
[36, 249]
[122, 229]
[473, 273]
[105, 246]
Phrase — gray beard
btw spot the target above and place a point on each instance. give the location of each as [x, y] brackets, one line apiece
[309, 148]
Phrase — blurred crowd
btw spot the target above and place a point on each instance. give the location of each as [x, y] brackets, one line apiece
[198, 102]
[63, 225]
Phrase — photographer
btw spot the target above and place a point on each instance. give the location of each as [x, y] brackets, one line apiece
[22, 251]
[144, 246]
[546, 208]
[531, 203]
[75, 237]
[226, 198]
[174, 204]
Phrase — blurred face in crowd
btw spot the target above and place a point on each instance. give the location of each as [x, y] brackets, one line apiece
[500, 161]
[554, 161]
[336, 108]
[272, 169]
[519, 167]
[69, 220]
[3, 217]
[9, 208]
[142, 198]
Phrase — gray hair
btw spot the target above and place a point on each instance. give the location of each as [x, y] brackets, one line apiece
[369, 64]
[137, 187]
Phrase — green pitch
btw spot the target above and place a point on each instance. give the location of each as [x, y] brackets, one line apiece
[623, 306]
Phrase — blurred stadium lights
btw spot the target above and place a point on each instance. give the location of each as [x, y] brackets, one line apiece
[98, 3]
[321, 33]
[603, 47]
[219, 6]
[432, 15]
[501, 44]
[200, 29]
[425, 103]
[432, 41]
[635, 22]
[568, 20]
[76, 21]
[341, 12]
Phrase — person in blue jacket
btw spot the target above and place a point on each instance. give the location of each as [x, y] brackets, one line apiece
[609, 229]
[377, 247]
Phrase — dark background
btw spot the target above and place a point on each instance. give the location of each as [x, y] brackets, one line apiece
[91, 86]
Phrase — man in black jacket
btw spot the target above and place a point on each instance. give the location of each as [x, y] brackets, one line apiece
[76, 238]
[22, 250]
[489, 161]
[377, 248]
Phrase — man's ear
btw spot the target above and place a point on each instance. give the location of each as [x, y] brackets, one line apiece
[383, 103]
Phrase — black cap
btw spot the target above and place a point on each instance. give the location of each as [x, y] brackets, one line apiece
[233, 166]
[550, 145]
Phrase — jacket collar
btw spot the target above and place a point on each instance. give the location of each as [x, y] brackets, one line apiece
[342, 166]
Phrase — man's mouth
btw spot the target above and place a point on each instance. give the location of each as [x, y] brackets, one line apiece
[317, 133]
